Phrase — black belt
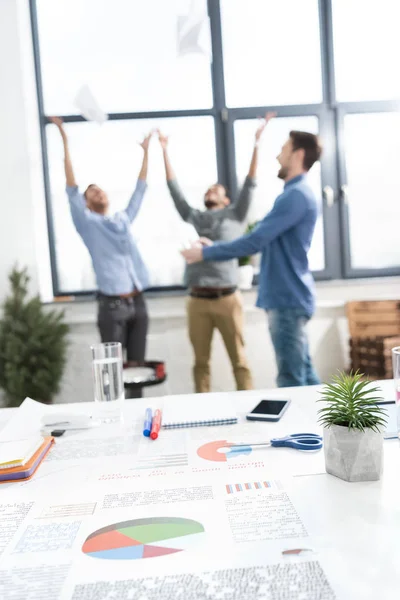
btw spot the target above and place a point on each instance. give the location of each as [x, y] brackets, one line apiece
[211, 294]
[100, 295]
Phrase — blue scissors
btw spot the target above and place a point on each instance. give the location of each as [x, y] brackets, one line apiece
[298, 441]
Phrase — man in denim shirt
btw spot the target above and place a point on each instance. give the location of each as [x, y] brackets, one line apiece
[286, 289]
[120, 271]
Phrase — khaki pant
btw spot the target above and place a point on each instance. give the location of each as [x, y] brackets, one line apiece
[226, 315]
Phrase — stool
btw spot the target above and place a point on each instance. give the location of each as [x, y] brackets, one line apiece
[138, 375]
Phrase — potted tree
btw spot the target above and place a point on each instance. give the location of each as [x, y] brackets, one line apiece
[33, 345]
[246, 269]
[353, 428]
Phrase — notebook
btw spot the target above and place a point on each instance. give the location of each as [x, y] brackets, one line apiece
[181, 412]
[17, 453]
[26, 471]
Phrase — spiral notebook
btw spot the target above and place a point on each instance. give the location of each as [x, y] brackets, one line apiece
[201, 411]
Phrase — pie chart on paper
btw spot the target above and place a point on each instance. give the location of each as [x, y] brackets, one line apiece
[143, 538]
[221, 451]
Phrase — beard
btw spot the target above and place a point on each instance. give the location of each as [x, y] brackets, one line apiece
[210, 204]
[99, 206]
[282, 173]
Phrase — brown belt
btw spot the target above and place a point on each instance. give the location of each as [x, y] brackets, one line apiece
[211, 293]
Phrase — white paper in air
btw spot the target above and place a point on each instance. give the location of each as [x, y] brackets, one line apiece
[194, 34]
[88, 106]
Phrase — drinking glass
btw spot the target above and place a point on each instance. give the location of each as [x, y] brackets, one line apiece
[108, 381]
[396, 377]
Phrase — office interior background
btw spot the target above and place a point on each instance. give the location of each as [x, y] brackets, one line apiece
[326, 66]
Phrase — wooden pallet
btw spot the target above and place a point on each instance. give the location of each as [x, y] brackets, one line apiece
[371, 319]
[373, 356]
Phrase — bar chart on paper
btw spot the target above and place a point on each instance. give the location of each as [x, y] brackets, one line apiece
[233, 488]
[143, 538]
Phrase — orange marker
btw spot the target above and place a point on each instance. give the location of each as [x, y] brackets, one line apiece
[155, 427]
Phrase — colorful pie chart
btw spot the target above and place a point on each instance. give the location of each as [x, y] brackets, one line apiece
[221, 451]
[143, 538]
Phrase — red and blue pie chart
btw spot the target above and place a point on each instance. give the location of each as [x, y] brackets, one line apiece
[143, 538]
[221, 451]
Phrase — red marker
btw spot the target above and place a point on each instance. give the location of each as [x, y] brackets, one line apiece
[155, 428]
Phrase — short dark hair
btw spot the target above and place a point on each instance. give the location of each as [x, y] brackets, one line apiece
[89, 186]
[311, 145]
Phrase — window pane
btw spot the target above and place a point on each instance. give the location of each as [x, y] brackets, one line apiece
[366, 46]
[110, 156]
[126, 51]
[271, 52]
[373, 188]
[268, 184]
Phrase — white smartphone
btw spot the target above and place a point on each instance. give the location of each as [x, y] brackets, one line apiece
[268, 410]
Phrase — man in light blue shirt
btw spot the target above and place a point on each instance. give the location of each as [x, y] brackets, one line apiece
[120, 271]
[286, 288]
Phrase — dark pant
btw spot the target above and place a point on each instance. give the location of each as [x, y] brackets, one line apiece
[288, 334]
[124, 320]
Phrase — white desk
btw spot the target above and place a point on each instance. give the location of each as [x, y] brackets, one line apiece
[354, 528]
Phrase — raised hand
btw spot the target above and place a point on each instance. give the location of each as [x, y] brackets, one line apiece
[163, 139]
[57, 121]
[146, 142]
[263, 123]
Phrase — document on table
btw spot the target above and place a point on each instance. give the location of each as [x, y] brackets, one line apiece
[209, 535]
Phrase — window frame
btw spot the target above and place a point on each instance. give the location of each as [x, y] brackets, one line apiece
[330, 114]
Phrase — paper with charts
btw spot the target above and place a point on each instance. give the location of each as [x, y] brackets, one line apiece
[205, 536]
[110, 514]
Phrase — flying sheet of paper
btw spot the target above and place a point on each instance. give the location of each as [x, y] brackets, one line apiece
[88, 106]
[194, 35]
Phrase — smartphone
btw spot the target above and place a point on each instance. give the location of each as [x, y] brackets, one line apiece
[268, 410]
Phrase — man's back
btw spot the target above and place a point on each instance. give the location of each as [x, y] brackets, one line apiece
[285, 278]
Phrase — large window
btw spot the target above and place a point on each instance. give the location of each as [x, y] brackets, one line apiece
[260, 40]
[311, 61]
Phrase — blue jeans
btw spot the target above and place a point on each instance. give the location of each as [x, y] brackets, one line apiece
[287, 327]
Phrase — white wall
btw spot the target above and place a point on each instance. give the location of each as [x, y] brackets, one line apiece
[168, 340]
[23, 236]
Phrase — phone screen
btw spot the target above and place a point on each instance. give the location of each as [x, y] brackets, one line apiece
[269, 407]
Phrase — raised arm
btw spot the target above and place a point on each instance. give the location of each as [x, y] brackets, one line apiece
[181, 204]
[77, 202]
[145, 146]
[137, 197]
[69, 172]
[242, 205]
[169, 172]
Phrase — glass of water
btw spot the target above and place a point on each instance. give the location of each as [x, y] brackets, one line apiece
[396, 377]
[108, 381]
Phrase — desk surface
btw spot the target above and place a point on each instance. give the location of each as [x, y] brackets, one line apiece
[353, 529]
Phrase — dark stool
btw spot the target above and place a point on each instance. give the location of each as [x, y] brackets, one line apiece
[138, 375]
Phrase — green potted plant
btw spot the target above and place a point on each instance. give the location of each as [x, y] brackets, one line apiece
[33, 345]
[246, 269]
[353, 428]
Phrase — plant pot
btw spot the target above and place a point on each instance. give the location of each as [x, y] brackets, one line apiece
[246, 274]
[353, 455]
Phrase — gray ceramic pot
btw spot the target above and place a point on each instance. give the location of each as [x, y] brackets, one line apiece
[353, 455]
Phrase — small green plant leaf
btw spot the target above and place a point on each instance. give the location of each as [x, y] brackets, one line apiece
[351, 401]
